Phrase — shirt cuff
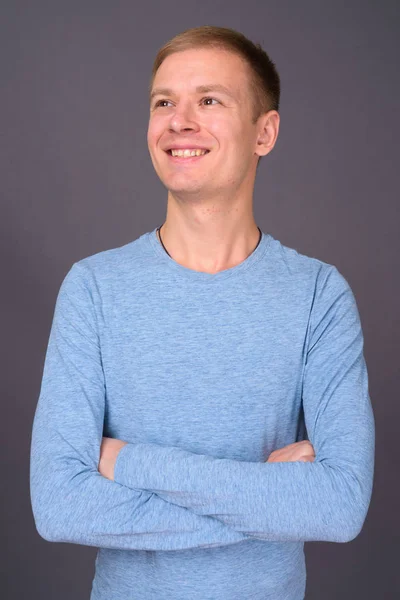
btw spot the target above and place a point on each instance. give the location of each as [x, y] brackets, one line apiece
[123, 465]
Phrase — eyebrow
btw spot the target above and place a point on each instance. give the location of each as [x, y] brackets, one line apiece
[201, 89]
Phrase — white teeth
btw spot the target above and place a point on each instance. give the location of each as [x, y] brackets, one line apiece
[188, 152]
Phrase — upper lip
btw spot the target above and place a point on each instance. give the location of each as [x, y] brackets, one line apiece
[186, 147]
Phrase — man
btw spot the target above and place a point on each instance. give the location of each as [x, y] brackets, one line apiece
[204, 408]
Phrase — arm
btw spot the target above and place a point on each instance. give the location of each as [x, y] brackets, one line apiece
[71, 501]
[323, 500]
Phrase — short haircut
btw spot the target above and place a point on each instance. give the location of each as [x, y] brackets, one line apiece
[264, 77]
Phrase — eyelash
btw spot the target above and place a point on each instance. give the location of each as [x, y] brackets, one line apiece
[157, 104]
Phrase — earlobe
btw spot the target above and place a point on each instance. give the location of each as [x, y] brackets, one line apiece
[264, 144]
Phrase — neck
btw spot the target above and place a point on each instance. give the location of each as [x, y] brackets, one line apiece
[209, 249]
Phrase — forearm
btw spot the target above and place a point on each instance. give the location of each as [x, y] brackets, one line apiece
[73, 503]
[293, 501]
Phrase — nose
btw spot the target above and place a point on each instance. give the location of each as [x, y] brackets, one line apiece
[183, 119]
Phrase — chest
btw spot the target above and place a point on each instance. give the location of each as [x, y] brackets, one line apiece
[221, 375]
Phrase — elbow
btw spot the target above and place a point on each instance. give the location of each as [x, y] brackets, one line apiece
[53, 527]
[45, 532]
[49, 512]
[354, 523]
[44, 511]
[46, 522]
[44, 525]
[353, 506]
[344, 526]
[347, 532]
[54, 501]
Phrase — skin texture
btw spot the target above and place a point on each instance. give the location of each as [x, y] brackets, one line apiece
[303, 451]
[209, 224]
[108, 455]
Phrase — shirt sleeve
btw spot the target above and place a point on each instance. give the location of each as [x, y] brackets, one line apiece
[324, 500]
[71, 501]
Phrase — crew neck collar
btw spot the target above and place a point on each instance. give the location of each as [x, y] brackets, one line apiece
[194, 275]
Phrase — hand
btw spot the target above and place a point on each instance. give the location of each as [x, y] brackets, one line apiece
[303, 451]
[109, 450]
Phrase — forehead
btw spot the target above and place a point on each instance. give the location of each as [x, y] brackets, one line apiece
[188, 69]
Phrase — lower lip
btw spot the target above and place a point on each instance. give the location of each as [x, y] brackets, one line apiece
[180, 160]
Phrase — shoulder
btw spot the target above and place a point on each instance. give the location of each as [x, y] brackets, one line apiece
[306, 270]
[106, 266]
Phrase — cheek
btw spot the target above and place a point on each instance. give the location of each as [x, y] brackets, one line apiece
[154, 132]
[150, 139]
[228, 133]
[220, 128]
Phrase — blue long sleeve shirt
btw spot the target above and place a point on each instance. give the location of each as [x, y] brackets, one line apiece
[204, 375]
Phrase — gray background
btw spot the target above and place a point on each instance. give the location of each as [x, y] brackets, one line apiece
[77, 179]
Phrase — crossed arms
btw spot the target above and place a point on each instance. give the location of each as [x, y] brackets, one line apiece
[166, 498]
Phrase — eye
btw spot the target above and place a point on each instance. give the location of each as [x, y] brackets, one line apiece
[208, 98]
[159, 103]
[162, 103]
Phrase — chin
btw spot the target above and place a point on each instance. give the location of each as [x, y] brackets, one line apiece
[185, 190]
[176, 184]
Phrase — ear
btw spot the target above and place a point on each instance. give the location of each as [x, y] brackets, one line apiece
[268, 129]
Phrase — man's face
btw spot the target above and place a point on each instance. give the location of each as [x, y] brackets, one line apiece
[186, 113]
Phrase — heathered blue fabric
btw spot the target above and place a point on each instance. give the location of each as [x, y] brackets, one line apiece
[204, 375]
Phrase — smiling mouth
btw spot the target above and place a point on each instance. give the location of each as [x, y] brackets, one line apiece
[187, 154]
